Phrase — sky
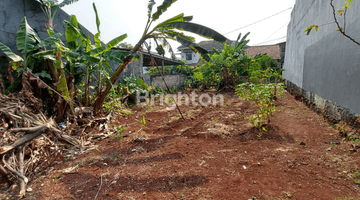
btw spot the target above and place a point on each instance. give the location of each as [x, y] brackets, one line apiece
[130, 16]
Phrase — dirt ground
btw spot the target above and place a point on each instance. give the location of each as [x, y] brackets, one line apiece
[214, 154]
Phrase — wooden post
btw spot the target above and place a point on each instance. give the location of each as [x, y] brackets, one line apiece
[163, 64]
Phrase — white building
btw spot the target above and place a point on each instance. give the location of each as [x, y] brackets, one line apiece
[192, 57]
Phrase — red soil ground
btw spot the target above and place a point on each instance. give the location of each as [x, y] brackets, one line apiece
[214, 154]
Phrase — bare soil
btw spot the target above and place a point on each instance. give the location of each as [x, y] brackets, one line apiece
[214, 154]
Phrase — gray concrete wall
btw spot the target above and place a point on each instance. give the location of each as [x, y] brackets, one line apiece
[325, 62]
[133, 69]
[12, 13]
[172, 81]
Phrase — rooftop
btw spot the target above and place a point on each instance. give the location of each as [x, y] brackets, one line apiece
[271, 50]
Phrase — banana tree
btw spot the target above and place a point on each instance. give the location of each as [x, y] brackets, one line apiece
[28, 43]
[50, 8]
[164, 30]
[81, 53]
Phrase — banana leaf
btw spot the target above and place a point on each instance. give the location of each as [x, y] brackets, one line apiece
[50, 40]
[197, 29]
[203, 52]
[177, 18]
[26, 38]
[118, 56]
[108, 46]
[7, 51]
[67, 2]
[97, 35]
[162, 8]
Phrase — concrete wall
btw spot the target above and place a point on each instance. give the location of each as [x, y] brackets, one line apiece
[325, 63]
[176, 80]
[133, 69]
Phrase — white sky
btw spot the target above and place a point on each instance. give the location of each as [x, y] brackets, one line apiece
[129, 16]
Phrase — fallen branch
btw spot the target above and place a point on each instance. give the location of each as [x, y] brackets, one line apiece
[26, 180]
[69, 139]
[24, 139]
[3, 171]
[21, 171]
[30, 130]
[99, 187]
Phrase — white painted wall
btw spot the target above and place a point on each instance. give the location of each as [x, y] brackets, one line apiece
[195, 56]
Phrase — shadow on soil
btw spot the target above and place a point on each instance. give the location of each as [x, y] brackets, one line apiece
[160, 158]
[139, 147]
[273, 133]
[87, 185]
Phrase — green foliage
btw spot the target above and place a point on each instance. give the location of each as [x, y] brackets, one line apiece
[186, 69]
[7, 51]
[198, 29]
[308, 30]
[131, 84]
[344, 7]
[355, 178]
[229, 64]
[155, 71]
[120, 130]
[263, 88]
[341, 13]
[161, 9]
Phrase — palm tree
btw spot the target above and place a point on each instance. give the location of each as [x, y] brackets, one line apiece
[164, 30]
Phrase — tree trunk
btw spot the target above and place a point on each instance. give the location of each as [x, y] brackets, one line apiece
[100, 97]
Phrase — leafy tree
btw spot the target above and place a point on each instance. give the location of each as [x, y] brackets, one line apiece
[124, 45]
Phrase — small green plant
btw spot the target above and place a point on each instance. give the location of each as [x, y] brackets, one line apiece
[342, 127]
[55, 177]
[142, 122]
[263, 88]
[119, 133]
[125, 112]
[215, 120]
[173, 90]
[355, 178]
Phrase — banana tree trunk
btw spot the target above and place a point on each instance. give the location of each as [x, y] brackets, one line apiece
[87, 86]
[62, 85]
[100, 97]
